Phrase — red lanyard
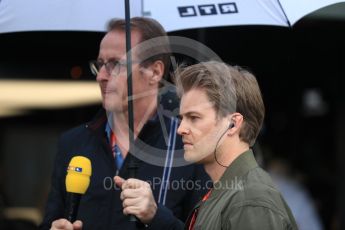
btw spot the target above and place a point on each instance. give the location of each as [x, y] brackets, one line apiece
[196, 210]
[113, 142]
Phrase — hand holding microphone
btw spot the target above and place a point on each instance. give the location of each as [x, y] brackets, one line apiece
[77, 182]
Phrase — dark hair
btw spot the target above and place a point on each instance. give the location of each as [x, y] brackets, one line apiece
[157, 46]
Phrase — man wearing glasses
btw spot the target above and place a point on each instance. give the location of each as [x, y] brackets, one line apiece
[105, 140]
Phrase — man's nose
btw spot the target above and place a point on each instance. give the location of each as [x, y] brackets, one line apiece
[182, 129]
[102, 74]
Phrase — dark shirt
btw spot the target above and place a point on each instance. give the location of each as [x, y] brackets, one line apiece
[155, 155]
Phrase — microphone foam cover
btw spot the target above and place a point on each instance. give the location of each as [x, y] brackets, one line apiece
[78, 175]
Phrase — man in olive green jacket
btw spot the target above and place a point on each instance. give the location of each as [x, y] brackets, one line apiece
[222, 113]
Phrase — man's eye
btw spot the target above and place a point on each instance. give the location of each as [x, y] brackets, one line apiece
[113, 63]
[99, 63]
[193, 118]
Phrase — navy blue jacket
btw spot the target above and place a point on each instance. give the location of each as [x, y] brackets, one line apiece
[176, 189]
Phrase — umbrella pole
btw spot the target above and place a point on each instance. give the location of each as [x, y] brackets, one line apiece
[132, 166]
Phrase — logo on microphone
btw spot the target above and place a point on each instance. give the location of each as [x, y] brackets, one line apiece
[76, 169]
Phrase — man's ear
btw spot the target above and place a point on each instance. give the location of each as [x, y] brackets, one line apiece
[235, 122]
[157, 69]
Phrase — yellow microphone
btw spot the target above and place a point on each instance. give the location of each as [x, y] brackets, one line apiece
[77, 182]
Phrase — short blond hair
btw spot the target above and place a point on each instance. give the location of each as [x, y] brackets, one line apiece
[230, 89]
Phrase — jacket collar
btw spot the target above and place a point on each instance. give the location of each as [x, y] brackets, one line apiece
[232, 177]
[98, 121]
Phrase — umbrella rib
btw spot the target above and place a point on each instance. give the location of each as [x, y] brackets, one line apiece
[281, 7]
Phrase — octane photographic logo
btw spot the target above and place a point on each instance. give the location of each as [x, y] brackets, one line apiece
[168, 106]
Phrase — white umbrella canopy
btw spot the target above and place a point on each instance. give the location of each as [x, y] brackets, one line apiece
[185, 14]
[91, 15]
[61, 15]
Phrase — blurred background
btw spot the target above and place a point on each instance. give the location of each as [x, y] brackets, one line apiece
[46, 88]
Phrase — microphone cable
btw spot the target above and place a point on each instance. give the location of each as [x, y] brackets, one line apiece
[215, 150]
